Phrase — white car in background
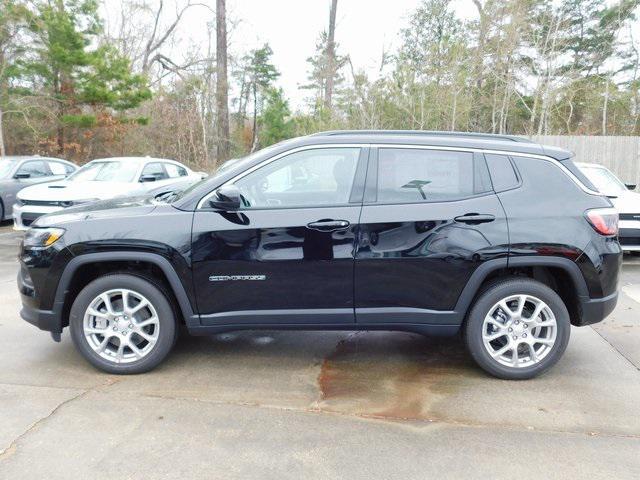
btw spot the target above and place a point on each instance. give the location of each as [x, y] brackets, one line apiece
[103, 179]
[626, 202]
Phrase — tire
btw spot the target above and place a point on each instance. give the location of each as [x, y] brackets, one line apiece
[518, 332]
[155, 321]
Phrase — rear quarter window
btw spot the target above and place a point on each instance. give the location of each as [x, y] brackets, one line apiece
[503, 176]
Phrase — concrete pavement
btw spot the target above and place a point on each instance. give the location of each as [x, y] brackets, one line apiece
[318, 405]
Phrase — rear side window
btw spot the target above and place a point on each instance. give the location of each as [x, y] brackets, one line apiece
[422, 175]
[175, 171]
[503, 176]
[58, 168]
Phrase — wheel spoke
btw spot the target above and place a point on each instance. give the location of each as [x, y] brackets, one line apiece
[514, 355]
[136, 351]
[107, 303]
[146, 336]
[492, 337]
[120, 352]
[532, 352]
[505, 308]
[139, 307]
[147, 322]
[501, 351]
[521, 301]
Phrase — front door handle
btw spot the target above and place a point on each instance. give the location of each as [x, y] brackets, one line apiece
[474, 218]
[328, 225]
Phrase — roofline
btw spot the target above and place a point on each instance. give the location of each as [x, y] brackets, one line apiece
[426, 133]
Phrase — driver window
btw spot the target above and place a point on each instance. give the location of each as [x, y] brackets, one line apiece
[316, 177]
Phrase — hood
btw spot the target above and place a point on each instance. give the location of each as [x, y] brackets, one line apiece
[627, 202]
[114, 208]
[66, 190]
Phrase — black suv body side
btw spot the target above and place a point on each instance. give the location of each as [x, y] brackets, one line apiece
[342, 230]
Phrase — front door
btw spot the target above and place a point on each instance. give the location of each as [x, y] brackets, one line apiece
[287, 255]
[429, 219]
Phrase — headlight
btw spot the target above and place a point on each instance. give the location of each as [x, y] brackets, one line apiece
[42, 237]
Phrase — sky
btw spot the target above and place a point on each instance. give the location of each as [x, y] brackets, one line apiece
[364, 29]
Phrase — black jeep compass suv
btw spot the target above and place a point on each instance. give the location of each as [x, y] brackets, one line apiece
[496, 237]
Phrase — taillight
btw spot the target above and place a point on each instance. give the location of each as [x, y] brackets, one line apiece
[603, 220]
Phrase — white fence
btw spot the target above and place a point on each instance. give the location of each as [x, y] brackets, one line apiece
[621, 155]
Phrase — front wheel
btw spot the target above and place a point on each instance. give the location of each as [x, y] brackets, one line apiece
[122, 324]
[518, 328]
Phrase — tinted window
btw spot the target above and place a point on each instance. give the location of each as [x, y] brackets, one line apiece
[35, 169]
[317, 177]
[503, 176]
[420, 175]
[156, 170]
[175, 171]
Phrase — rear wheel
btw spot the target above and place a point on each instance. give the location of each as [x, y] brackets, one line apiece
[122, 324]
[517, 328]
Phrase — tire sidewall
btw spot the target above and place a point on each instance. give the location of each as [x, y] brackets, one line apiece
[167, 323]
[493, 294]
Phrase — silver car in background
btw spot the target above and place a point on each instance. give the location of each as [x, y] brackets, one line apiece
[18, 172]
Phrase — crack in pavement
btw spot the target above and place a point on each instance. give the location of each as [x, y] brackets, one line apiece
[613, 347]
[10, 450]
[394, 420]
[13, 446]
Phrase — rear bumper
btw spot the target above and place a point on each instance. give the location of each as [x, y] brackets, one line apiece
[629, 235]
[595, 310]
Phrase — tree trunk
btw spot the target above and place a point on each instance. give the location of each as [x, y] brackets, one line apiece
[254, 130]
[331, 58]
[222, 86]
[2, 149]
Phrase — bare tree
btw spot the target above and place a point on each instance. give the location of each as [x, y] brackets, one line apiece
[331, 57]
[222, 86]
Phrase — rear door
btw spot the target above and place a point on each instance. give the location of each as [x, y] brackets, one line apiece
[287, 256]
[429, 219]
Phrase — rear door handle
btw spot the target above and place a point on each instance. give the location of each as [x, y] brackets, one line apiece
[474, 218]
[328, 225]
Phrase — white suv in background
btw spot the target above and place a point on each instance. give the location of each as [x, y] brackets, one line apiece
[102, 179]
[626, 202]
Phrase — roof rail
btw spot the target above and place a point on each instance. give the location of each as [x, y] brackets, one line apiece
[429, 133]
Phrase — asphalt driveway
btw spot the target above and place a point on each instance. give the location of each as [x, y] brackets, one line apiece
[318, 405]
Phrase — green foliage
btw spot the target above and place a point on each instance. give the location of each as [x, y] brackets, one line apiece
[275, 123]
[79, 121]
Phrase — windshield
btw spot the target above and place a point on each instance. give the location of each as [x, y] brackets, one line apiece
[6, 167]
[112, 171]
[605, 181]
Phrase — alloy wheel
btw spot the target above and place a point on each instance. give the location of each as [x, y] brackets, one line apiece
[519, 331]
[122, 326]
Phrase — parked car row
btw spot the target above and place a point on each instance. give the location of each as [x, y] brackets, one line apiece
[626, 202]
[32, 186]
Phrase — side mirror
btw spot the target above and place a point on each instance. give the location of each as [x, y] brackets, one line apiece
[226, 198]
[22, 175]
[630, 186]
[147, 178]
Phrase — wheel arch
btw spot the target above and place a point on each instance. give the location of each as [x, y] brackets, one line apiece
[555, 272]
[92, 265]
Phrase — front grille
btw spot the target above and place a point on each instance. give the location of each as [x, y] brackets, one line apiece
[40, 203]
[629, 240]
[630, 216]
[29, 218]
